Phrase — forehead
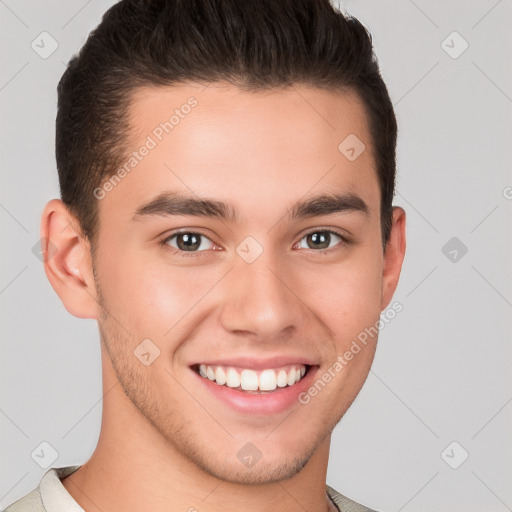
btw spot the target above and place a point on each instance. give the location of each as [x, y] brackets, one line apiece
[228, 114]
[246, 148]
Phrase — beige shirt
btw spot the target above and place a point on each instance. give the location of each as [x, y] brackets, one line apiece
[52, 496]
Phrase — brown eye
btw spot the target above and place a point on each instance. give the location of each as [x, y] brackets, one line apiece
[320, 240]
[189, 242]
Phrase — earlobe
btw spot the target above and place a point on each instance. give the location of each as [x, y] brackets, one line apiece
[67, 260]
[393, 257]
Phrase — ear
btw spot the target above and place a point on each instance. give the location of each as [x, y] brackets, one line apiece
[67, 260]
[393, 257]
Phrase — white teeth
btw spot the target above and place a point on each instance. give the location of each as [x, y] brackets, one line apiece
[220, 376]
[282, 378]
[250, 380]
[233, 378]
[268, 380]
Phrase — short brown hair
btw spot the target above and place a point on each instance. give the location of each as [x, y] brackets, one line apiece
[255, 45]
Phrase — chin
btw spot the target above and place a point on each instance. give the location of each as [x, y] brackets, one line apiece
[264, 471]
[273, 460]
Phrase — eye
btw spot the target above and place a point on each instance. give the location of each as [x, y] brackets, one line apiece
[189, 242]
[320, 240]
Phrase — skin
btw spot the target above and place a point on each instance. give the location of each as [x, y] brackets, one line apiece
[166, 444]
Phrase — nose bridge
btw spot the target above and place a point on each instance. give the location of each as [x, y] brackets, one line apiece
[258, 298]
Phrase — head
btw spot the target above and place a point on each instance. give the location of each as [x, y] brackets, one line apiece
[210, 207]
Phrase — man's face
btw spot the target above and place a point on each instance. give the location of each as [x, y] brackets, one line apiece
[263, 293]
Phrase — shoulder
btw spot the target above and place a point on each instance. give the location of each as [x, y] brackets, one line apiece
[31, 502]
[50, 495]
[345, 504]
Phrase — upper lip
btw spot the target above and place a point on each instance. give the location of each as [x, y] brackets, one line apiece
[257, 363]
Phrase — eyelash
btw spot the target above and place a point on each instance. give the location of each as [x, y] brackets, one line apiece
[188, 254]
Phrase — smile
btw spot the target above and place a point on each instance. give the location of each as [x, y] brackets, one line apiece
[249, 380]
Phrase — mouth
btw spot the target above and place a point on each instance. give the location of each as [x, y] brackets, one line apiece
[251, 388]
[247, 380]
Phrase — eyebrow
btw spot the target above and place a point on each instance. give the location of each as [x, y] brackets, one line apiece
[170, 203]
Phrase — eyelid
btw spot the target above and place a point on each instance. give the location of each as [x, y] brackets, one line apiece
[322, 229]
[345, 240]
[164, 242]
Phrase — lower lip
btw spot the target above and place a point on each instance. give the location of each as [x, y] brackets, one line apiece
[272, 402]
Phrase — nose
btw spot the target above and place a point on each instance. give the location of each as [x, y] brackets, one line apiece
[259, 299]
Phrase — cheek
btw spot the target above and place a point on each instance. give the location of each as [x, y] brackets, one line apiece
[150, 297]
[135, 290]
[349, 299]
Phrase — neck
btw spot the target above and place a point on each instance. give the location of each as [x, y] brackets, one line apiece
[134, 468]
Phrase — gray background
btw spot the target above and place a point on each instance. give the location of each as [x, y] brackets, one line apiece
[443, 365]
